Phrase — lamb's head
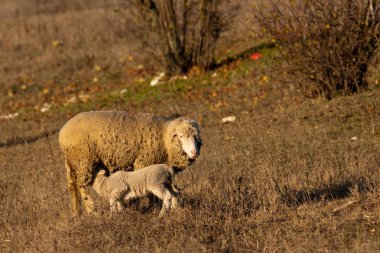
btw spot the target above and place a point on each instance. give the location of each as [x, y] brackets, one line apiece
[97, 183]
[185, 133]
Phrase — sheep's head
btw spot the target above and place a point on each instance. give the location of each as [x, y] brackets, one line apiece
[186, 133]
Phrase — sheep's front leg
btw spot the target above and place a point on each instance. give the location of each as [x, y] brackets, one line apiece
[139, 163]
[87, 200]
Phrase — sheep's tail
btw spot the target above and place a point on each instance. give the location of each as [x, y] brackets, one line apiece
[72, 187]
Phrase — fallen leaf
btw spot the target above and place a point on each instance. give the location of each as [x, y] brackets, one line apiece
[9, 116]
[256, 56]
[355, 138]
[46, 107]
[157, 79]
[228, 119]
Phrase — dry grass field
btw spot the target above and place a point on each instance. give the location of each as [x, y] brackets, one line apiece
[291, 174]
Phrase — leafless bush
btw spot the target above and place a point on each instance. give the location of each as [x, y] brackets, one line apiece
[330, 42]
[185, 32]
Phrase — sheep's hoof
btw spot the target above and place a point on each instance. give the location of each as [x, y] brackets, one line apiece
[89, 207]
[75, 215]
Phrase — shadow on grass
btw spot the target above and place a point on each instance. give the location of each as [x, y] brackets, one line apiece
[342, 190]
[27, 139]
[242, 54]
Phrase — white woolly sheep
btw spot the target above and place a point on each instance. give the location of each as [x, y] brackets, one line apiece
[118, 140]
[122, 186]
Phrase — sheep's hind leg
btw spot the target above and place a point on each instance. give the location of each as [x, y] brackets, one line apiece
[87, 200]
[72, 188]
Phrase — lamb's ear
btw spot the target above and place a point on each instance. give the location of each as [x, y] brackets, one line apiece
[101, 173]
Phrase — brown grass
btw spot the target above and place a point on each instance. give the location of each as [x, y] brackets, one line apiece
[284, 177]
[267, 182]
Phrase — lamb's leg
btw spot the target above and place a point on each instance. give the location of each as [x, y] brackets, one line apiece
[116, 206]
[113, 205]
[72, 188]
[116, 198]
[120, 206]
[166, 197]
[175, 193]
[86, 198]
[166, 202]
[174, 188]
[174, 202]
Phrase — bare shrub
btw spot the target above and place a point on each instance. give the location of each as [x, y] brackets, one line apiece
[330, 42]
[185, 32]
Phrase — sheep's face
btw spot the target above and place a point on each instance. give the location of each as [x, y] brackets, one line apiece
[187, 132]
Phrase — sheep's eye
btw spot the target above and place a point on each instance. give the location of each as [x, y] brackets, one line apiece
[181, 136]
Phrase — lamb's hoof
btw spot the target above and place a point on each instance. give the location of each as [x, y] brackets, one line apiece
[110, 215]
[163, 213]
[114, 212]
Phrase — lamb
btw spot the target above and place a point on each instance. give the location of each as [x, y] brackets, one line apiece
[122, 186]
[118, 140]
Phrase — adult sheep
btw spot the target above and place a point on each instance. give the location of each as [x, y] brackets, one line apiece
[118, 140]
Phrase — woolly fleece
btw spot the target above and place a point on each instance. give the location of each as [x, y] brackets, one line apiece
[155, 179]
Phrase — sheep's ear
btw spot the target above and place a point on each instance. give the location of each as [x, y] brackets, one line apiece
[174, 134]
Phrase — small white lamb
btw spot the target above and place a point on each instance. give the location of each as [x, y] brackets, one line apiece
[122, 186]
